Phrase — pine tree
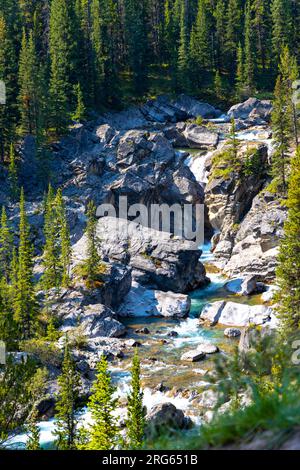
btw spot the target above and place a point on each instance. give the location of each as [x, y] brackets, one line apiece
[63, 240]
[80, 111]
[13, 174]
[8, 74]
[261, 35]
[51, 276]
[93, 258]
[288, 271]
[98, 52]
[281, 126]
[136, 33]
[240, 76]
[220, 27]
[102, 405]
[200, 40]
[28, 83]
[233, 32]
[61, 54]
[289, 71]
[281, 26]
[66, 421]
[218, 86]
[135, 423]
[5, 246]
[249, 55]
[183, 50]
[25, 308]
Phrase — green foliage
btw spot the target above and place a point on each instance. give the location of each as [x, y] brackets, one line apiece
[288, 271]
[103, 433]
[66, 421]
[135, 423]
[25, 305]
[21, 385]
[80, 111]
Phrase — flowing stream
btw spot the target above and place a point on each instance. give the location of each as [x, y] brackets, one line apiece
[165, 377]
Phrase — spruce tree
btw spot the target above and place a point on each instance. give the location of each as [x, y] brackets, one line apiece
[102, 405]
[51, 276]
[240, 76]
[135, 423]
[281, 126]
[63, 240]
[13, 174]
[66, 422]
[80, 111]
[200, 52]
[99, 58]
[183, 50]
[8, 74]
[28, 83]
[288, 271]
[281, 26]
[289, 71]
[6, 241]
[249, 53]
[25, 306]
[61, 53]
[93, 259]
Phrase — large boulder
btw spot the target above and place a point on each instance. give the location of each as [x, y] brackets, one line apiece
[166, 417]
[193, 356]
[234, 314]
[200, 137]
[257, 239]
[141, 302]
[158, 259]
[251, 109]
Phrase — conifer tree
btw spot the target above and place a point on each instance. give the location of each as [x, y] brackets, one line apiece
[51, 276]
[63, 240]
[135, 423]
[281, 26]
[8, 74]
[249, 55]
[232, 33]
[61, 53]
[136, 33]
[289, 72]
[80, 111]
[66, 422]
[25, 308]
[5, 246]
[93, 258]
[13, 174]
[200, 41]
[240, 76]
[281, 125]
[97, 52]
[102, 405]
[183, 50]
[28, 83]
[288, 271]
[220, 27]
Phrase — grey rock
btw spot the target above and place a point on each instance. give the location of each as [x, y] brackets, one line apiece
[141, 302]
[232, 332]
[234, 314]
[208, 348]
[166, 416]
[158, 259]
[193, 356]
[200, 137]
[251, 108]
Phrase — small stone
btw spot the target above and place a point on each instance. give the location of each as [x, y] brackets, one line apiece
[232, 332]
[132, 343]
[143, 331]
[173, 334]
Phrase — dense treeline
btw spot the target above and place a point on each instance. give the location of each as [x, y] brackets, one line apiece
[60, 58]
